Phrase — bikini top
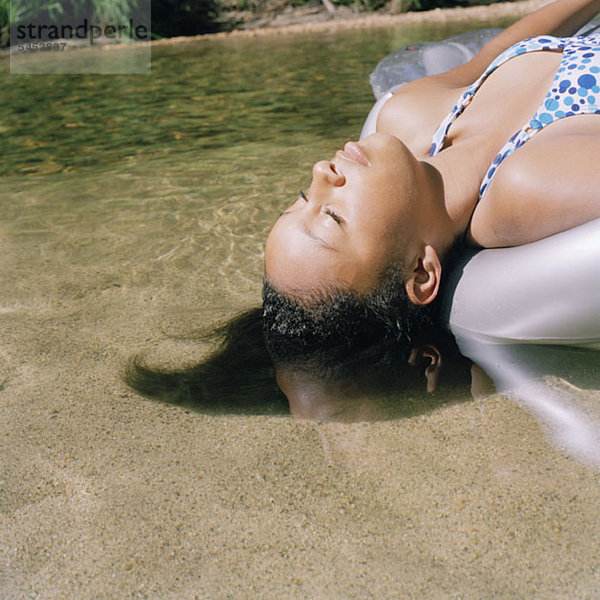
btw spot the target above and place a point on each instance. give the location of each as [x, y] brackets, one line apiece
[574, 90]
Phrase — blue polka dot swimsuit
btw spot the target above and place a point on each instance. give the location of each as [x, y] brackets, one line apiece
[575, 90]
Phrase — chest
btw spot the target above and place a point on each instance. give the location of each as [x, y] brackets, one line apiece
[502, 104]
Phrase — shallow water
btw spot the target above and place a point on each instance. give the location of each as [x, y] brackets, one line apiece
[135, 207]
[189, 166]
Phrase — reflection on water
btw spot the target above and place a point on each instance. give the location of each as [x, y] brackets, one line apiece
[550, 382]
[382, 382]
[387, 381]
[558, 385]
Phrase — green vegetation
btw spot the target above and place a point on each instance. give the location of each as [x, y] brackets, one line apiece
[176, 17]
[59, 12]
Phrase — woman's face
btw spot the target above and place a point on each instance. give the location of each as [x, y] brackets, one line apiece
[358, 216]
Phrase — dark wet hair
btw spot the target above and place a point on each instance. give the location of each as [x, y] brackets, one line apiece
[343, 321]
[236, 376]
[331, 334]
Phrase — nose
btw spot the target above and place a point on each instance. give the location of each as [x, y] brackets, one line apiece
[326, 171]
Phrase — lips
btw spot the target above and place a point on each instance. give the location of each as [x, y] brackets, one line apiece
[352, 151]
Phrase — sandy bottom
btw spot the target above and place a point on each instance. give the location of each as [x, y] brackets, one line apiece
[106, 494]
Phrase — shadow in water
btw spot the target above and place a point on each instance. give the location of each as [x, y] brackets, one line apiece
[383, 381]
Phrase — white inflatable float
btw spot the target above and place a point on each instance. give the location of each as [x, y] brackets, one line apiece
[547, 292]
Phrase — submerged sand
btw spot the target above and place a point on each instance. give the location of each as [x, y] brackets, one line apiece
[109, 495]
[106, 494]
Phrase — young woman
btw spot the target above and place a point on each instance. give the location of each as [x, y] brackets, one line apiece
[353, 267]
[501, 151]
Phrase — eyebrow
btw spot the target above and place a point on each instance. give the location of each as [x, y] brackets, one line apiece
[302, 195]
[318, 239]
[311, 235]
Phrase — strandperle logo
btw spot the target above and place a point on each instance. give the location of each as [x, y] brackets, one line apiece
[83, 31]
[71, 36]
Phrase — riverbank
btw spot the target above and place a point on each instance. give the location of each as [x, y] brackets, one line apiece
[317, 19]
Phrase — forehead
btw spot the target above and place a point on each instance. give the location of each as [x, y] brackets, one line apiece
[296, 259]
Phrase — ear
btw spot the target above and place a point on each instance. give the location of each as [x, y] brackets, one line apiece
[423, 282]
[429, 355]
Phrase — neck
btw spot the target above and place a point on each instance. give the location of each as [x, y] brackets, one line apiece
[456, 175]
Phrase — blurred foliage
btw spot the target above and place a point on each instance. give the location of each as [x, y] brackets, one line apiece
[169, 17]
[51, 11]
[182, 17]
[185, 17]
[4, 20]
[398, 6]
[57, 12]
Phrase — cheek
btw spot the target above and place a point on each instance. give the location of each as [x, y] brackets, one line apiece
[275, 249]
[382, 214]
[380, 239]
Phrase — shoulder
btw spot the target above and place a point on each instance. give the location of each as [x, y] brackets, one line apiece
[414, 112]
[550, 184]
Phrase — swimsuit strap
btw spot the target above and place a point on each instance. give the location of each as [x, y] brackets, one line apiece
[575, 90]
[522, 47]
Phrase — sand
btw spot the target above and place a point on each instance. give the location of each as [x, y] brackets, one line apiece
[106, 494]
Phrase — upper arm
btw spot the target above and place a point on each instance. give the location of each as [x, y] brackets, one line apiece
[549, 185]
[561, 18]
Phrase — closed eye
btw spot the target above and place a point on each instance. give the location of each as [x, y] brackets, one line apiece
[334, 216]
[327, 211]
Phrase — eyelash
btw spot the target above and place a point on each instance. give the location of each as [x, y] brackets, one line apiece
[328, 211]
[334, 216]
